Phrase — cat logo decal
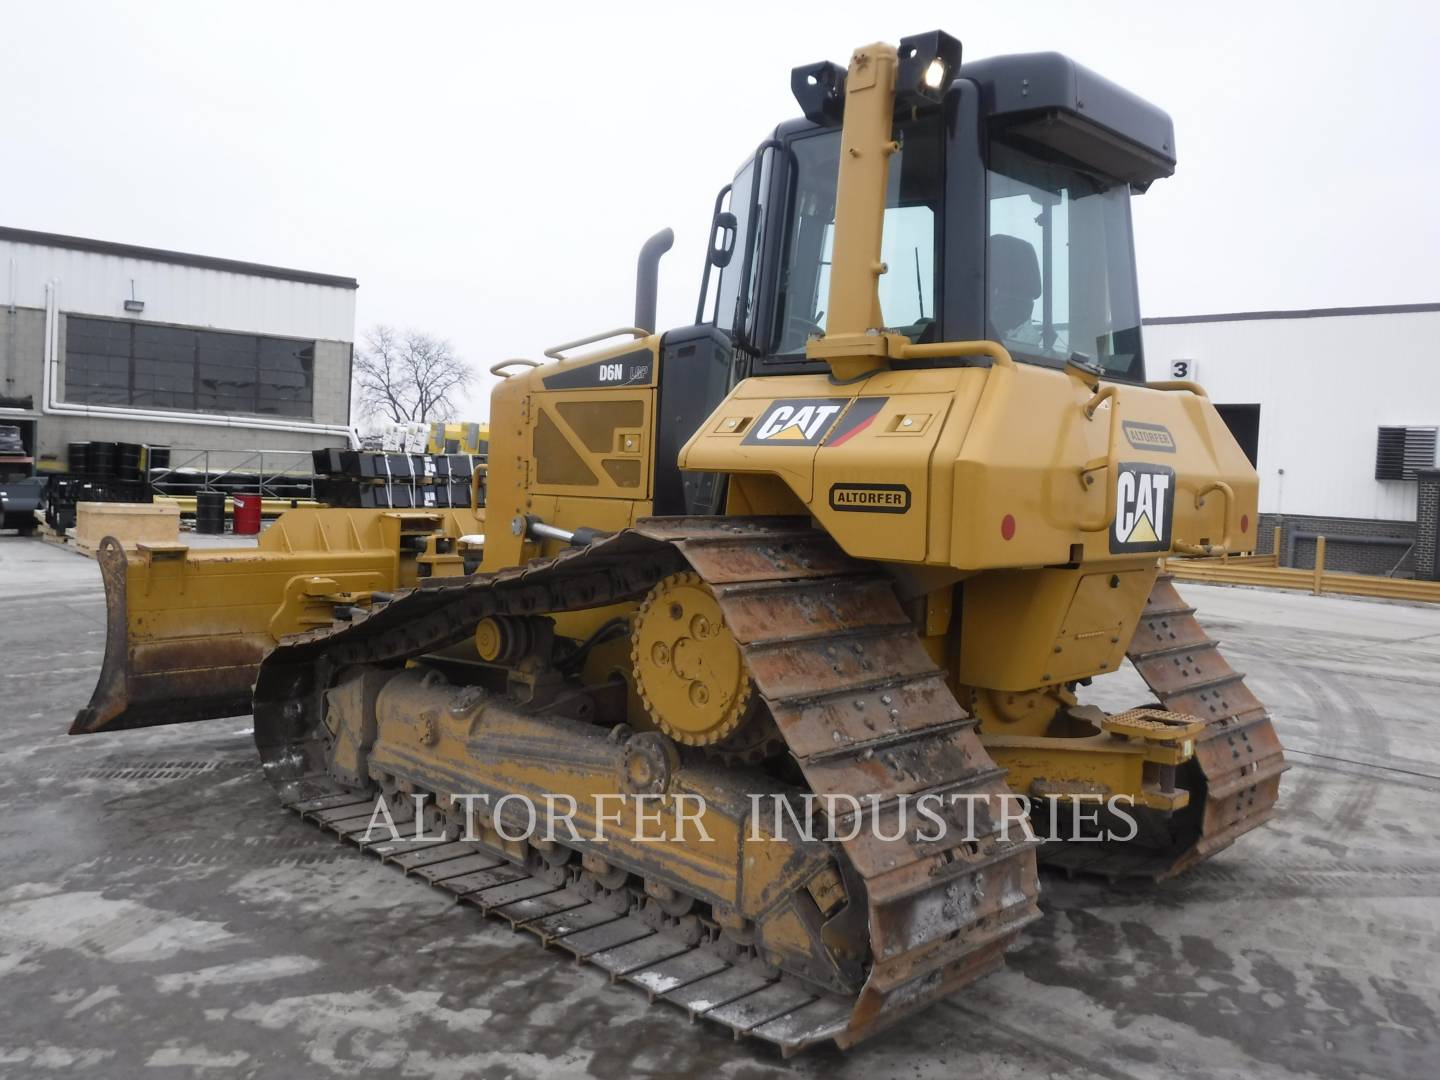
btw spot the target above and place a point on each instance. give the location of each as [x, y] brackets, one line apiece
[796, 422]
[1144, 508]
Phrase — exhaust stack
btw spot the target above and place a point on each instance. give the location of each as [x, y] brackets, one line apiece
[647, 277]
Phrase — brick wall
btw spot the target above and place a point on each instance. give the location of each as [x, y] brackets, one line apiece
[1427, 526]
[1344, 547]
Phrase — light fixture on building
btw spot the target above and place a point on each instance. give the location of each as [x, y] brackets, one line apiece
[132, 304]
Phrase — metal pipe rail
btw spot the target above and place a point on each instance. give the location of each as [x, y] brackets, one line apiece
[270, 468]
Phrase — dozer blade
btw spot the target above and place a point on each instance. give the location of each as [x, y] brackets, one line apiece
[185, 631]
[160, 670]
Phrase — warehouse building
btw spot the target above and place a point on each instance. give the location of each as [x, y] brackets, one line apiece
[1338, 410]
[105, 341]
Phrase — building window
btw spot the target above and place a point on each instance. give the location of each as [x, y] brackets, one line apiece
[148, 366]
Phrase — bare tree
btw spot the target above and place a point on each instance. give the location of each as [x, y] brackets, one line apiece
[408, 375]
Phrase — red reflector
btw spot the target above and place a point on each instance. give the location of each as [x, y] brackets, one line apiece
[1244, 522]
[1007, 526]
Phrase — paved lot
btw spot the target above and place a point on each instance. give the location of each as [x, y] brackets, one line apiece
[159, 915]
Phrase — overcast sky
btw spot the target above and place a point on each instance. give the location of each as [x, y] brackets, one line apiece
[488, 171]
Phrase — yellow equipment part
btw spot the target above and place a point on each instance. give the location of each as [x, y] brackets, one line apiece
[186, 629]
[450, 437]
[704, 812]
[942, 467]
[1089, 755]
[690, 673]
[877, 922]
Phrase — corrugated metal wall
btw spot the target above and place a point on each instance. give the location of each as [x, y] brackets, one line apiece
[1324, 386]
[99, 284]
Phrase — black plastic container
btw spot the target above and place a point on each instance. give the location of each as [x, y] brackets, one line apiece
[210, 512]
[77, 458]
[127, 460]
[102, 457]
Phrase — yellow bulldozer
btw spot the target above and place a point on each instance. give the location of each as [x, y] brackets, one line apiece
[857, 540]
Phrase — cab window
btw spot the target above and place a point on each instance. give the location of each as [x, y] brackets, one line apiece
[1060, 264]
[909, 246]
[732, 312]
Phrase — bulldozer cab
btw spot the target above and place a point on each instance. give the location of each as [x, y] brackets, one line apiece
[1006, 218]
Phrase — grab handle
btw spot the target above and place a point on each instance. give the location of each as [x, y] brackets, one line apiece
[1222, 548]
[1110, 462]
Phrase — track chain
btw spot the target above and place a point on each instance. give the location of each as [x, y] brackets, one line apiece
[1238, 757]
[862, 708]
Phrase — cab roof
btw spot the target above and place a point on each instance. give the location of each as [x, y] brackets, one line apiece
[1049, 99]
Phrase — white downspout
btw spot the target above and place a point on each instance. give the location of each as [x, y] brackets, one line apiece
[10, 410]
[50, 404]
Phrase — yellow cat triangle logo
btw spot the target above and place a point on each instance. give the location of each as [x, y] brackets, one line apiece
[789, 432]
[1143, 532]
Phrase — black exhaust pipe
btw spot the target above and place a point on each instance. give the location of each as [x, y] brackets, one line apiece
[647, 277]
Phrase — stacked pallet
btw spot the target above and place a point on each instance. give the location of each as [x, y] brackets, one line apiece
[130, 523]
[371, 479]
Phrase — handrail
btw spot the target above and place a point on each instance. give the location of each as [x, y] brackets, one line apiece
[941, 350]
[496, 369]
[1179, 384]
[634, 331]
[1105, 393]
[1222, 548]
[1110, 462]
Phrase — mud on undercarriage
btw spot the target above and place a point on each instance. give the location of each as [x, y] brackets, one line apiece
[835, 944]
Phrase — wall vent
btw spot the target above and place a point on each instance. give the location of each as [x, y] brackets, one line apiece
[1400, 451]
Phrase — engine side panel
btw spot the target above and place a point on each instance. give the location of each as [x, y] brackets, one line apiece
[986, 468]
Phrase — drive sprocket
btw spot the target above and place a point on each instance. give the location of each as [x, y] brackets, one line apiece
[689, 671]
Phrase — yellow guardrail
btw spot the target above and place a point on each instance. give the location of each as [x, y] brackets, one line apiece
[1264, 571]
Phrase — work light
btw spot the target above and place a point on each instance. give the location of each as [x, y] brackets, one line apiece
[820, 91]
[927, 64]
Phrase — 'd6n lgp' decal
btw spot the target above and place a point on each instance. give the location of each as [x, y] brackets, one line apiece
[1144, 508]
[795, 422]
